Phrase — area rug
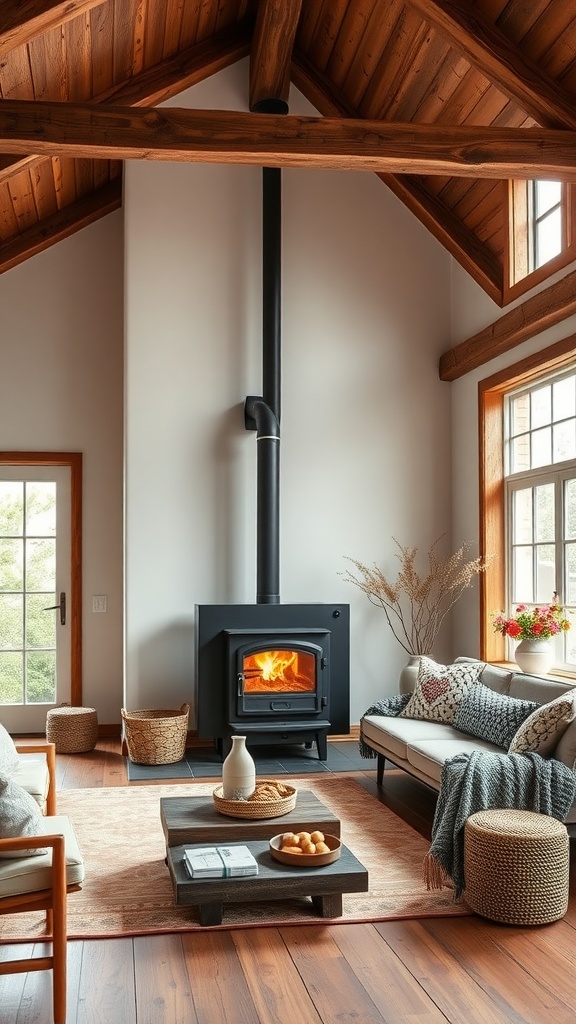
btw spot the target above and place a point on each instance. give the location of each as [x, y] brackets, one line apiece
[127, 888]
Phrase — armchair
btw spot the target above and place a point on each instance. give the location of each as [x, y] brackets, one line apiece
[31, 883]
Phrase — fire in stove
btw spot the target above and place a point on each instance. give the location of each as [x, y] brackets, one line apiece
[279, 672]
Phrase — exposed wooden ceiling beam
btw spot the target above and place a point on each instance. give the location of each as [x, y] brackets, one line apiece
[164, 81]
[449, 230]
[500, 60]
[541, 311]
[23, 20]
[61, 225]
[218, 136]
[274, 32]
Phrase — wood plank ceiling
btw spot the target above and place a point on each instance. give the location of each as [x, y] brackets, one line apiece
[444, 99]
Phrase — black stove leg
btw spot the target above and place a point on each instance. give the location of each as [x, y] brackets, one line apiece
[322, 744]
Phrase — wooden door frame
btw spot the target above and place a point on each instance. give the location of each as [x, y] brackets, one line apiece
[73, 461]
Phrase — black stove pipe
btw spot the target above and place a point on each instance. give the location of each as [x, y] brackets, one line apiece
[263, 413]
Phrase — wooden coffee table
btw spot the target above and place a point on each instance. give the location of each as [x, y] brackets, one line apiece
[325, 885]
[194, 819]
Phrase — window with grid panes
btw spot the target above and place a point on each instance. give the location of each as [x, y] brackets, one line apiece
[540, 487]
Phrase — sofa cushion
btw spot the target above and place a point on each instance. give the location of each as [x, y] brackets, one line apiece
[492, 716]
[20, 815]
[428, 756]
[396, 733]
[537, 688]
[8, 752]
[543, 729]
[439, 689]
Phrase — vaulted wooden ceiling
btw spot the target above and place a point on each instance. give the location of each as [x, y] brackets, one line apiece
[444, 99]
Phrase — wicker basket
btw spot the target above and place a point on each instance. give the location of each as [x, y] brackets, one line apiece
[156, 737]
[255, 808]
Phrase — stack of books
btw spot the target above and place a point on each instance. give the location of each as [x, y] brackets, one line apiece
[219, 862]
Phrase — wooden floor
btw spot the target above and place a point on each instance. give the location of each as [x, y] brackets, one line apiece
[461, 970]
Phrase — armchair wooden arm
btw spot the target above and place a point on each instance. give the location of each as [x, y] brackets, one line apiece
[49, 749]
[53, 901]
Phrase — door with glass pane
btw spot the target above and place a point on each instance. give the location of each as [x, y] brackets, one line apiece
[36, 600]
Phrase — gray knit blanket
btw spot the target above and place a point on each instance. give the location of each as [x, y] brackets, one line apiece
[390, 707]
[474, 782]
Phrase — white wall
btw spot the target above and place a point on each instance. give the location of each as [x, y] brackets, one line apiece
[61, 389]
[365, 419]
[473, 310]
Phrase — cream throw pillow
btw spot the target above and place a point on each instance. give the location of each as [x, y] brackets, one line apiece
[543, 729]
[9, 759]
[440, 688]
[20, 815]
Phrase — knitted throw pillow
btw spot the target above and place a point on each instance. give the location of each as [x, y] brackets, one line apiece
[9, 759]
[543, 729]
[492, 716]
[439, 689]
[20, 815]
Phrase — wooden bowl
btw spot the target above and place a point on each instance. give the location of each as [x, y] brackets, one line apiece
[306, 860]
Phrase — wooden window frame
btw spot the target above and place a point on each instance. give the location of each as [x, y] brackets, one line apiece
[517, 279]
[491, 394]
[73, 460]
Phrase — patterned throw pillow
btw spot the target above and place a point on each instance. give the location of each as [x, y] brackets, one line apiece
[9, 759]
[543, 729]
[492, 716]
[439, 689]
[20, 815]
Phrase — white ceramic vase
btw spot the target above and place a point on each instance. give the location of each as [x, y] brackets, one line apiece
[238, 772]
[535, 656]
[409, 674]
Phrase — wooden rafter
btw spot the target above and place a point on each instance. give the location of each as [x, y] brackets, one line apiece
[500, 60]
[216, 136]
[23, 20]
[537, 314]
[164, 81]
[272, 43]
[61, 225]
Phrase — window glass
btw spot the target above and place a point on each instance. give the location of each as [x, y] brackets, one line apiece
[546, 195]
[540, 434]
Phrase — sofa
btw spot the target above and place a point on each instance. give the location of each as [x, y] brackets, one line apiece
[488, 709]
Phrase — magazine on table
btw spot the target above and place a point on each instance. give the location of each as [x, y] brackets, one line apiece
[219, 862]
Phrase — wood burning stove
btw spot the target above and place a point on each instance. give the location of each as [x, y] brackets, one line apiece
[277, 674]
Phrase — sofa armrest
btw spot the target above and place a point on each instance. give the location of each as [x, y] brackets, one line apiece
[49, 749]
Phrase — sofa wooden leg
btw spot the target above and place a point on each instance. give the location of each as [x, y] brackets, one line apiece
[380, 763]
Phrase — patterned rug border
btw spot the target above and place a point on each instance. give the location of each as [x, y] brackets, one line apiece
[127, 896]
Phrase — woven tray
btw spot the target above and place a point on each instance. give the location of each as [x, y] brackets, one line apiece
[255, 808]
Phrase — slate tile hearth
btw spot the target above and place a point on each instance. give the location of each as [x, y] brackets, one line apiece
[206, 763]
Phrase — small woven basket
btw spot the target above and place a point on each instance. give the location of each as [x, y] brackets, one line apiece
[156, 737]
[72, 730]
[516, 866]
[255, 808]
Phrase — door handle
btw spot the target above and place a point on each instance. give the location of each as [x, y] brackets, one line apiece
[61, 606]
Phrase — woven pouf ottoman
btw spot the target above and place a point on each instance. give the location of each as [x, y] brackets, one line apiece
[72, 730]
[516, 866]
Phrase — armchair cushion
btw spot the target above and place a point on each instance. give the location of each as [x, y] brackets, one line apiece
[20, 816]
[31, 874]
[9, 759]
